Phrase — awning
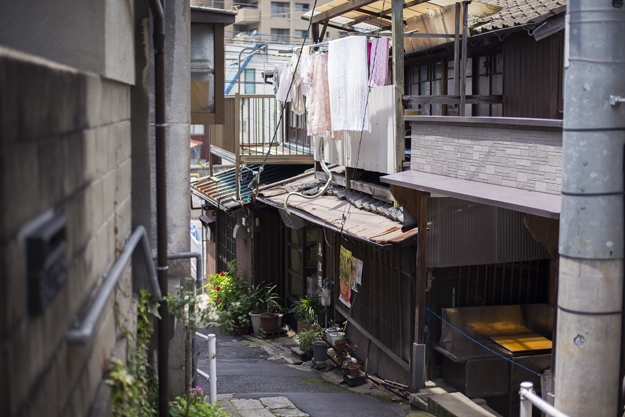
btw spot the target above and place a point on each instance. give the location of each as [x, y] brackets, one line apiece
[532, 202]
[328, 211]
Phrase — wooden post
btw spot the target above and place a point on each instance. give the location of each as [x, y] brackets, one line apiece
[315, 32]
[457, 53]
[210, 154]
[237, 133]
[463, 83]
[398, 79]
[423, 199]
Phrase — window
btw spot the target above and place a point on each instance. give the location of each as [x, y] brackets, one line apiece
[250, 81]
[280, 35]
[302, 7]
[226, 243]
[300, 33]
[342, 34]
[426, 80]
[453, 110]
[197, 129]
[487, 81]
[280, 10]
[301, 259]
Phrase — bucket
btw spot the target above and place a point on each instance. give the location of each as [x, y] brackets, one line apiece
[319, 351]
[331, 335]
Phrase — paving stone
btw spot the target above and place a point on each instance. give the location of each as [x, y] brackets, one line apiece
[257, 412]
[289, 412]
[277, 402]
[246, 404]
[227, 407]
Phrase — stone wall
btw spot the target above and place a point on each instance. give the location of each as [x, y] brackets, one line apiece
[529, 158]
[65, 149]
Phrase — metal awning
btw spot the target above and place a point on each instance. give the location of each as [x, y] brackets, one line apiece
[532, 202]
[328, 211]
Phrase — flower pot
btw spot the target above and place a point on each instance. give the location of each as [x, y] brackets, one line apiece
[339, 345]
[319, 351]
[351, 369]
[269, 322]
[241, 330]
[331, 335]
[279, 325]
[255, 318]
[304, 325]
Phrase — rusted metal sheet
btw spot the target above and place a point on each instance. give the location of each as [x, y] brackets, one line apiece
[220, 189]
[465, 233]
[331, 210]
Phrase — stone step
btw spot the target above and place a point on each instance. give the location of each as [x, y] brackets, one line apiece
[455, 404]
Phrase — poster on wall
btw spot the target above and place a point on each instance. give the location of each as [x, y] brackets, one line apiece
[346, 294]
[345, 266]
[345, 275]
[356, 273]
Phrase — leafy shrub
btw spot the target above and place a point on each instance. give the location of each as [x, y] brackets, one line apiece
[197, 406]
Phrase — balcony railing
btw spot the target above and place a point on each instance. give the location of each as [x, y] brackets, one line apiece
[260, 134]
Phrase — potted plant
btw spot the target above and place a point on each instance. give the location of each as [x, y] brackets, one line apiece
[257, 304]
[307, 337]
[269, 319]
[307, 312]
[228, 291]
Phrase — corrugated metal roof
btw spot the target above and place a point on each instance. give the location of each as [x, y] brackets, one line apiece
[220, 189]
[369, 222]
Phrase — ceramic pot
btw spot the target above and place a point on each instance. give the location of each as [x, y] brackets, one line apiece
[269, 322]
[241, 330]
[351, 369]
[339, 345]
[255, 319]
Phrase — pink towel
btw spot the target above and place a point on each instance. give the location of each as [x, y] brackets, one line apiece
[379, 62]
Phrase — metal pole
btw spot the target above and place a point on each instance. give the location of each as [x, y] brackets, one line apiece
[590, 285]
[463, 65]
[212, 367]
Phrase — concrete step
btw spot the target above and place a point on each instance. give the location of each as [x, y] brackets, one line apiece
[455, 404]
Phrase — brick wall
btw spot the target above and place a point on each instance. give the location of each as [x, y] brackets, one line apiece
[528, 158]
[64, 148]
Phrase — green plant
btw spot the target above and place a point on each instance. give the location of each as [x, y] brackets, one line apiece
[226, 288]
[271, 300]
[257, 298]
[308, 309]
[196, 404]
[306, 338]
[135, 386]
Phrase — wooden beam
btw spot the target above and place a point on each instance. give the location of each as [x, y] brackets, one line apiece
[457, 52]
[408, 199]
[406, 5]
[419, 336]
[341, 9]
[315, 32]
[323, 31]
[451, 99]
[397, 7]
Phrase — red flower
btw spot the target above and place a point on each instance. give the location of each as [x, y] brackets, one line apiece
[217, 288]
[222, 273]
[219, 301]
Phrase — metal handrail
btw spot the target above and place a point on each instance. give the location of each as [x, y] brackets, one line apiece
[211, 377]
[82, 332]
[529, 397]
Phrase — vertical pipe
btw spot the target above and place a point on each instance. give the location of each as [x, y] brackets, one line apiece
[212, 368]
[590, 282]
[526, 405]
[463, 66]
[161, 202]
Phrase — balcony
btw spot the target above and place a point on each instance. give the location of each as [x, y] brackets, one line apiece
[248, 15]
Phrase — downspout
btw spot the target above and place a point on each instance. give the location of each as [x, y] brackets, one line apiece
[161, 203]
[590, 293]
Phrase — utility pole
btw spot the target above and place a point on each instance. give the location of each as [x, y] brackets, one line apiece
[588, 371]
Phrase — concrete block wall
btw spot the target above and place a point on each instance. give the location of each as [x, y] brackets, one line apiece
[65, 141]
[529, 158]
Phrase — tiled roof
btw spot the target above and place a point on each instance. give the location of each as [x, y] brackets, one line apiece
[517, 12]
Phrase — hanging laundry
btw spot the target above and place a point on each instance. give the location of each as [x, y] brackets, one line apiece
[285, 85]
[318, 99]
[348, 84]
[276, 79]
[298, 105]
[379, 62]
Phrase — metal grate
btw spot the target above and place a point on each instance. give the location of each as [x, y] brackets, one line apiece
[226, 243]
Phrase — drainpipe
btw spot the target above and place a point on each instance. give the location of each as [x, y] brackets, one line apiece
[161, 203]
[590, 294]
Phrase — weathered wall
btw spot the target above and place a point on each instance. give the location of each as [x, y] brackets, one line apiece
[528, 158]
[65, 148]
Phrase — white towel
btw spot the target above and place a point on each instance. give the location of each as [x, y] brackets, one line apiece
[347, 80]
